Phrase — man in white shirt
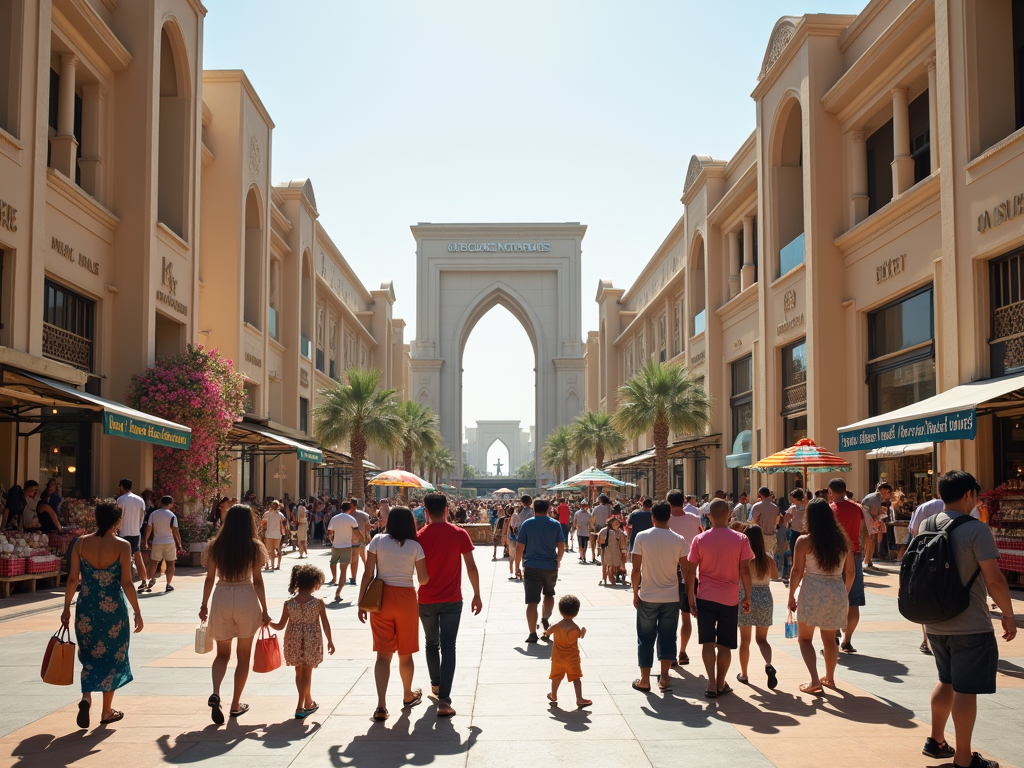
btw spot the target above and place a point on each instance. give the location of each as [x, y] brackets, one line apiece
[163, 524]
[689, 507]
[273, 524]
[741, 512]
[687, 525]
[659, 556]
[133, 513]
[583, 522]
[343, 530]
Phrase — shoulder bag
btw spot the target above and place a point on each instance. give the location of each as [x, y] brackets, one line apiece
[373, 596]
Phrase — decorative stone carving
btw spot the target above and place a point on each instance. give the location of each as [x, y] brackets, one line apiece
[1008, 320]
[693, 171]
[254, 155]
[784, 32]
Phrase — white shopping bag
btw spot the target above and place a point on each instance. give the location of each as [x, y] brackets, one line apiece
[204, 642]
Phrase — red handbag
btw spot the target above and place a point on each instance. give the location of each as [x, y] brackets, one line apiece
[267, 657]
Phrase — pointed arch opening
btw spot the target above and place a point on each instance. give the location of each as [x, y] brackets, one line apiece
[698, 289]
[306, 306]
[498, 459]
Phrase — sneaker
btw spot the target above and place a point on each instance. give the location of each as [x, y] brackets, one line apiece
[532, 638]
[352, 582]
[169, 588]
[932, 748]
[977, 761]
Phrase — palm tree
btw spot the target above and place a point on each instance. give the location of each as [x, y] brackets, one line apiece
[557, 453]
[419, 433]
[595, 433]
[360, 412]
[441, 463]
[577, 449]
[662, 399]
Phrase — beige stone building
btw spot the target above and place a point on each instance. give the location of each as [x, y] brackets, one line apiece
[859, 254]
[137, 214]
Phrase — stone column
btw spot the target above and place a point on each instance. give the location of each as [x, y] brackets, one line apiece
[747, 273]
[91, 163]
[902, 164]
[64, 146]
[859, 177]
[734, 263]
[933, 115]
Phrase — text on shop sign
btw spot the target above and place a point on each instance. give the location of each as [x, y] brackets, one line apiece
[1007, 209]
[499, 247]
[68, 253]
[890, 268]
[126, 426]
[957, 425]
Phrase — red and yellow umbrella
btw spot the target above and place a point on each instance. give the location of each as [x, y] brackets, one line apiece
[804, 457]
[400, 478]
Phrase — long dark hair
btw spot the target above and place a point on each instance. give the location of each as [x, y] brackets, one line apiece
[828, 540]
[236, 547]
[401, 525]
[107, 517]
[762, 562]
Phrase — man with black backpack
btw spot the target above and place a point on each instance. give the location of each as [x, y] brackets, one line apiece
[950, 602]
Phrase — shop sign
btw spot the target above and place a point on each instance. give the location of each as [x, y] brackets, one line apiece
[68, 253]
[8, 216]
[697, 359]
[890, 268]
[789, 305]
[1001, 213]
[499, 247]
[956, 425]
[136, 429]
[312, 456]
[169, 281]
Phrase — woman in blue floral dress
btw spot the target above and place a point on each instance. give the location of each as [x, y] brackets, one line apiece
[102, 562]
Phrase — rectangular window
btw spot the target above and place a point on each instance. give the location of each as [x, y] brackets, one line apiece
[250, 398]
[794, 377]
[742, 406]
[1018, 59]
[901, 352]
[880, 156]
[1006, 344]
[53, 106]
[920, 143]
[68, 326]
[10, 65]
[303, 415]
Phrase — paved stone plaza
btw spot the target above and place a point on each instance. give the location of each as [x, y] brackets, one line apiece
[878, 718]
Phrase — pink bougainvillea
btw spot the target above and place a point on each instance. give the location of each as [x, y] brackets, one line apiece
[201, 390]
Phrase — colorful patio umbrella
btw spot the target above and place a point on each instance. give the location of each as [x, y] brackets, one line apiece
[592, 477]
[400, 478]
[803, 457]
[504, 492]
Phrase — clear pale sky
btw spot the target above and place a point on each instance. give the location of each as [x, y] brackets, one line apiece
[488, 110]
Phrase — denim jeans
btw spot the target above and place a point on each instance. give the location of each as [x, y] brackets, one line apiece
[440, 628]
[656, 621]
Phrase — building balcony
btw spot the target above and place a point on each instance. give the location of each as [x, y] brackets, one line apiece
[794, 398]
[791, 255]
[272, 323]
[305, 346]
[67, 347]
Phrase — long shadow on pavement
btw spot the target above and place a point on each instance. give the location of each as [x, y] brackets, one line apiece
[46, 749]
[383, 747]
[216, 741]
[574, 720]
[888, 669]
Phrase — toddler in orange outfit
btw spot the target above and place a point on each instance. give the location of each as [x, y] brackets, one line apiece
[565, 650]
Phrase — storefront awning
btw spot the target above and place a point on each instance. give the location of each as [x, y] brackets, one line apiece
[691, 446]
[270, 442]
[896, 451]
[22, 393]
[950, 415]
[341, 459]
[640, 458]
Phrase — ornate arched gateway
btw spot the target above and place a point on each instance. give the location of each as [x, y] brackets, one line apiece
[464, 270]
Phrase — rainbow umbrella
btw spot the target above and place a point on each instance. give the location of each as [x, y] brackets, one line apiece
[400, 478]
[806, 456]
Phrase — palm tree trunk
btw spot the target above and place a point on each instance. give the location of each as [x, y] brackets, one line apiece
[599, 455]
[660, 459]
[358, 446]
[407, 463]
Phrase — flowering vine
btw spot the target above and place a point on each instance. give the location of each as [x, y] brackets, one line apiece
[201, 390]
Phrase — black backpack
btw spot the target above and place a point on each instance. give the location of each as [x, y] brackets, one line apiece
[930, 586]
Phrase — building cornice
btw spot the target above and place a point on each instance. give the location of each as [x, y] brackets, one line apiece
[239, 76]
[899, 43]
[739, 154]
[921, 195]
[677, 232]
[84, 19]
[324, 240]
[701, 168]
[738, 198]
[71, 192]
[858, 25]
[431, 231]
[605, 287]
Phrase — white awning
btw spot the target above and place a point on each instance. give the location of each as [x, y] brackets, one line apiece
[895, 451]
[643, 456]
[950, 415]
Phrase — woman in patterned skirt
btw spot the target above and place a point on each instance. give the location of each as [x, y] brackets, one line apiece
[823, 568]
[762, 571]
[102, 562]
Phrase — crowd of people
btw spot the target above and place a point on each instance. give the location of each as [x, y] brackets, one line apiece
[712, 566]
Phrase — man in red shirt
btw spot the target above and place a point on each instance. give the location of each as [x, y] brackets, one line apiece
[565, 520]
[850, 516]
[445, 547]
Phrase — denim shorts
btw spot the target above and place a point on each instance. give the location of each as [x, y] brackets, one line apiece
[967, 662]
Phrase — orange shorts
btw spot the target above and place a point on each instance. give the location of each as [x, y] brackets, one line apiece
[396, 627]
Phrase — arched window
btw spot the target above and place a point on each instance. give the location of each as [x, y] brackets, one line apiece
[253, 260]
[306, 307]
[175, 121]
[698, 288]
[787, 169]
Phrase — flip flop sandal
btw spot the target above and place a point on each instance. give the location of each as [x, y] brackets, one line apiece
[114, 717]
[416, 699]
[82, 721]
[311, 710]
[380, 714]
[300, 714]
[684, 659]
[710, 694]
[552, 699]
[664, 688]
[638, 687]
[584, 703]
[773, 677]
[727, 689]
[242, 709]
[813, 691]
[215, 711]
[742, 679]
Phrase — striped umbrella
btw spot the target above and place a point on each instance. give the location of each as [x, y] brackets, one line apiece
[400, 478]
[803, 457]
[594, 477]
